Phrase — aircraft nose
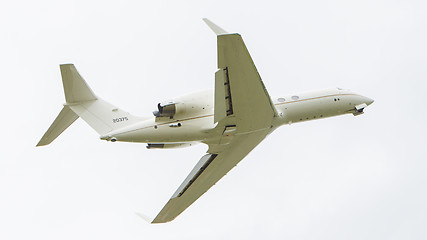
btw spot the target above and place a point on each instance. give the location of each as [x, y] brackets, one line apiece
[369, 101]
[365, 100]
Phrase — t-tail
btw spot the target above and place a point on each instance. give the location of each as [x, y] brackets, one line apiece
[82, 102]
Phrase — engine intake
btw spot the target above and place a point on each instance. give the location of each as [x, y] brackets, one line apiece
[165, 110]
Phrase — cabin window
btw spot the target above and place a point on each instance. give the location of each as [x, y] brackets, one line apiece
[295, 97]
[281, 99]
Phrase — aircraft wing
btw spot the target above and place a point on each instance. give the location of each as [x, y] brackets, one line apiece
[244, 112]
[209, 170]
[239, 90]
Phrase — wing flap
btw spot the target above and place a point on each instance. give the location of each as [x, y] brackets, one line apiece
[221, 105]
[194, 174]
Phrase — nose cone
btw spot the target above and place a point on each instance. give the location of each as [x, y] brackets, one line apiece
[369, 101]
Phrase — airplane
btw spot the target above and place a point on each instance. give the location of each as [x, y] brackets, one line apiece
[232, 120]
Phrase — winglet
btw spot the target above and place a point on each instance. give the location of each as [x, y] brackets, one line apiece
[144, 217]
[218, 30]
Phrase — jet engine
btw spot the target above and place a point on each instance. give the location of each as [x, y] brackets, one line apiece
[166, 109]
[195, 104]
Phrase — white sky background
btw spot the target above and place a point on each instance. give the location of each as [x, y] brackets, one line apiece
[339, 178]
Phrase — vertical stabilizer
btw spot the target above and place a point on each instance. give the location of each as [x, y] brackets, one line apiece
[75, 87]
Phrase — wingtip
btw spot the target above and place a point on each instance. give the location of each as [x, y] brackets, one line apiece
[66, 64]
[144, 217]
[41, 143]
[215, 28]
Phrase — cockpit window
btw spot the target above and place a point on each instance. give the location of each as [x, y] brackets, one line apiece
[295, 97]
[281, 99]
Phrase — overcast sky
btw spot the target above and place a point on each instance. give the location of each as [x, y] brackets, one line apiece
[339, 178]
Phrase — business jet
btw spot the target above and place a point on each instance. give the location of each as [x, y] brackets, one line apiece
[232, 120]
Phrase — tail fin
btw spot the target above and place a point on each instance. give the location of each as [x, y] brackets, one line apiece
[82, 102]
[76, 89]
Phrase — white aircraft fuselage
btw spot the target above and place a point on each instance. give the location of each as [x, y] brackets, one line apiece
[196, 124]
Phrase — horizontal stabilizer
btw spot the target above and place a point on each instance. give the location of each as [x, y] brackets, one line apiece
[65, 118]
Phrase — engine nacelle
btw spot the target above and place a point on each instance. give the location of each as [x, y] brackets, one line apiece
[195, 104]
[169, 145]
[169, 109]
